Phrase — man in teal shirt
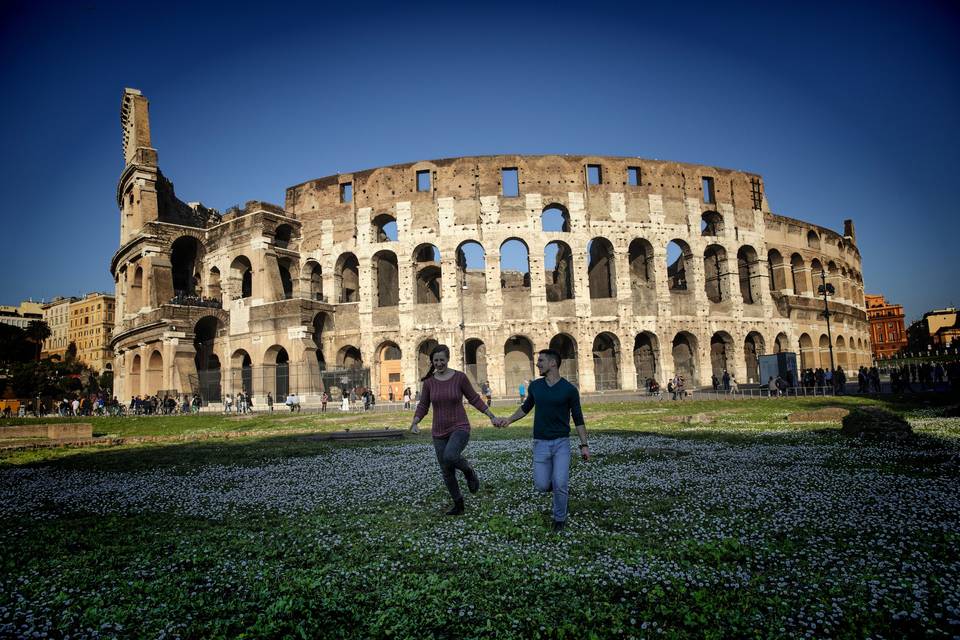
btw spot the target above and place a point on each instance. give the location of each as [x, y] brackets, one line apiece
[555, 400]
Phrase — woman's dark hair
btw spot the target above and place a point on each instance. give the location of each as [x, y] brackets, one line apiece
[437, 349]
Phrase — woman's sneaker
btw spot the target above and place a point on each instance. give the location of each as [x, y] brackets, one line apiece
[473, 480]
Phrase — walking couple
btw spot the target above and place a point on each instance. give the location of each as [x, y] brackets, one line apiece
[555, 401]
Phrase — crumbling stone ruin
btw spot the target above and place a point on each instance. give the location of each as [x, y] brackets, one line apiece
[357, 276]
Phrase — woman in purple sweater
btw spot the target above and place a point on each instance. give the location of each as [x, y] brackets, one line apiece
[445, 389]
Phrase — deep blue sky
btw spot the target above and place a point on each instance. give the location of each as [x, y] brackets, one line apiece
[848, 110]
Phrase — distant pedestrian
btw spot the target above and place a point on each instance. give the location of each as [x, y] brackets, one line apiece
[323, 402]
[270, 402]
[523, 391]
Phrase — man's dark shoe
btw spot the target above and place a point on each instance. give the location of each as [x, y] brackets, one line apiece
[457, 508]
[558, 525]
[473, 481]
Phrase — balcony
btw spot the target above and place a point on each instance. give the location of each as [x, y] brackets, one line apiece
[185, 299]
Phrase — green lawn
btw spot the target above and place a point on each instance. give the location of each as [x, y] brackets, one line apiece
[736, 524]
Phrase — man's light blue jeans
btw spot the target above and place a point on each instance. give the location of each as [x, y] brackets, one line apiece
[551, 472]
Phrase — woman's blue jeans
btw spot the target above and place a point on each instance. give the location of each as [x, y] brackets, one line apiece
[551, 472]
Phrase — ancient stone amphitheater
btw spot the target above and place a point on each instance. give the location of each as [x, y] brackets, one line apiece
[631, 268]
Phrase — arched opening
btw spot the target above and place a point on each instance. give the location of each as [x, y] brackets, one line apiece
[423, 357]
[517, 363]
[213, 284]
[287, 271]
[136, 291]
[813, 240]
[388, 360]
[315, 272]
[845, 284]
[817, 276]
[349, 358]
[807, 360]
[781, 344]
[601, 269]
[711, 224]
[135, 376]
[321, 323]
[475, 361]
[678, 258]
[281, 373]
[514, 265]
[566, 346]
[645, 356]
[825, 352]
[797, 272]
[471, 271]
[185, 264]
[385, 228]
[606, 362]
[642, 279]
[241, 368]
[721, 348]
[283, 236]
[386, 275]
[558, 271]
[685, 357]
[347, 278]
[841, 355]
[427, 274]
[749, 272]
[753, 348]
[714, 268]
[154, 374]
[775, 270]
[206, 361]
[555, 217]
[241, 277]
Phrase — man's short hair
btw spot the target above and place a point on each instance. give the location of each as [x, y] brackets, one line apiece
[550, 353]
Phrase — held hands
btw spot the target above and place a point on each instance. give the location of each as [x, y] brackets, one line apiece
[499, 422]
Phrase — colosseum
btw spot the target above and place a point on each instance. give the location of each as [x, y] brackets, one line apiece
[632, 269]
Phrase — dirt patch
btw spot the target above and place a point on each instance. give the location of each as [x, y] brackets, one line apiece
[827, 414]
[696, 418]
[875, 423]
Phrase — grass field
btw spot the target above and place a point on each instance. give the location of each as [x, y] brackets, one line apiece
[737, 524]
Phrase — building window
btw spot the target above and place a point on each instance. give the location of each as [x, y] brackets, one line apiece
[755, 193]
[594, 174]
[708, 195]
[633, 176]
[510, 182]
[423, 180]
[346, 192]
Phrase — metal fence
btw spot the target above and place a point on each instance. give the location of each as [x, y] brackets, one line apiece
[278, 380]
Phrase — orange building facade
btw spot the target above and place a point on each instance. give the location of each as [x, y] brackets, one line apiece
[887, 331]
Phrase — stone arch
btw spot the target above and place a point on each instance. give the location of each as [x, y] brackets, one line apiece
[679, 259]
[807, 354]
[685, 357]
[389, 358]
[385, 228]
[841, 352]
[753, 348]
[797, 273]
[321, 323]
[241, 367]
[186, 259]
[775, 270]
[517, 362]
[813, 239]
[241, 277]
[349, 357]
[825, 351]
[213, 284]
[711, 224]
[135, 367]
[427, 274]
[781, 344]
[602, 268]
[748, 269]
[423, 356]
[714, 268]
[283, 236]
[555, 218]
[346, 278]
[154, 381]
[475, 361]
[721, 352]
[314, 272]
[511, 278]
[288, 274]
[386, 279]
[646, 357]
[558, 268]
[276, 361]
[471, 268]
[606, 362]
[642, 279]
[136, 291]
[566, 346]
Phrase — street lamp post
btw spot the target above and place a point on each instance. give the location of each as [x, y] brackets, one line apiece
[826, 289]
[463, 326]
